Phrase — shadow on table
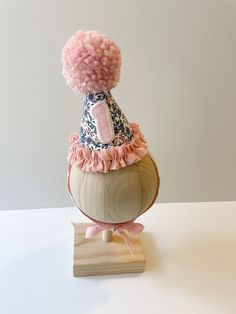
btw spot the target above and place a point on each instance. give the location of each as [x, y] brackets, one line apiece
[203, 267]
[40, 280]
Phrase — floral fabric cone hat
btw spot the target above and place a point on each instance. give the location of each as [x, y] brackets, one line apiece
[107, 141]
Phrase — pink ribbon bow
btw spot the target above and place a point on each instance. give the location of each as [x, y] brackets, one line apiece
[122, 229]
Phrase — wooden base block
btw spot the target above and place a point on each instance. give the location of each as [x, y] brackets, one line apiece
[94, 256]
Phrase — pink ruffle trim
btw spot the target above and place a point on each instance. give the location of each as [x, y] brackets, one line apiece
[112, 158]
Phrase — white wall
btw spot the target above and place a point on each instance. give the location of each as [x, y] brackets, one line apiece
[178, 82]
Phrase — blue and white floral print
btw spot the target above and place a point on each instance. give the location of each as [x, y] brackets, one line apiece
[88, 132]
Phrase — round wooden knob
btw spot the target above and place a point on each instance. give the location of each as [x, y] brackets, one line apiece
[117, 196]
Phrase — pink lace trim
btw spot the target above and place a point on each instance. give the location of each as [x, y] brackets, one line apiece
[112, 158]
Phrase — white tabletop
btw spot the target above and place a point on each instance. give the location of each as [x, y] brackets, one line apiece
[191, 264]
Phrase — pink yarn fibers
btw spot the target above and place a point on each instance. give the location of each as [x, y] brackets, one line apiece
[91, 62]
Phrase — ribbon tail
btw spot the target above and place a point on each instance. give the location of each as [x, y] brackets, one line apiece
[127, 240]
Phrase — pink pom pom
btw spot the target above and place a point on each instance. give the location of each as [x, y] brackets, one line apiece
[91, 62]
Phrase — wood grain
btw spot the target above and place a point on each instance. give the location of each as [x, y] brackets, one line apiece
[116, 196]
[96, 257]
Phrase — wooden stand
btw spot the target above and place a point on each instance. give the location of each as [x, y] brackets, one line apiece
[94, 256]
